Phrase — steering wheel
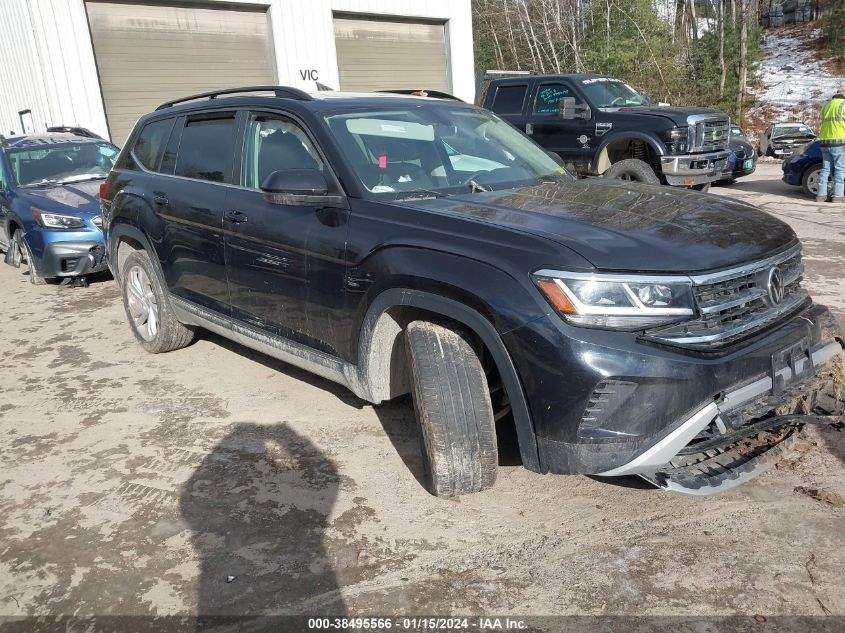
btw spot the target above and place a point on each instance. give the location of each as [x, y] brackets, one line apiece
[621, 101]
[475, 175]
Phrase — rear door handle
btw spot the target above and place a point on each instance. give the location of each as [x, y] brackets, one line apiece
[235, 217]
[161, 200]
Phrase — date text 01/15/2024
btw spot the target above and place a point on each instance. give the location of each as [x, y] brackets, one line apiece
[418, 624]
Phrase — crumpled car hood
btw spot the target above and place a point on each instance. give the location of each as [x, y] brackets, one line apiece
[79, 197]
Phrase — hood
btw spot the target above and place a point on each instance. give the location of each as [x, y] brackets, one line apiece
[737, 143]
[627, 226]
[678, 115]
[79, 197]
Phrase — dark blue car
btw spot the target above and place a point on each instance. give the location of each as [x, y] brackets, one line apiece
[802, 168]
[50, 206]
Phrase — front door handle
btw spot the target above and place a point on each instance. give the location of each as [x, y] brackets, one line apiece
[161, 200]
[529, 128]
[235, 217]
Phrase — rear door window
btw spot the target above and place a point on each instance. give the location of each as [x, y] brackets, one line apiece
[206, 148]
[509, 99]
[150, 144]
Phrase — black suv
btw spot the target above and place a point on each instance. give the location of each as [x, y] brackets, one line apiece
[601, 126]
[400, 244]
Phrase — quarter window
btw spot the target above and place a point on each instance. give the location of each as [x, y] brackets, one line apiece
[549, 96]
[150, 144]
[205, 149]
[273, 144]
[509, 99]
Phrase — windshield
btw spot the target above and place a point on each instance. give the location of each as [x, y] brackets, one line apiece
[793, 131]
[430, 151]
[612, 93]
[61, 164]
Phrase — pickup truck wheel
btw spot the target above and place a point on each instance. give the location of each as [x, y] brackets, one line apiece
[148, 308]
[452, 404]
[632, 169]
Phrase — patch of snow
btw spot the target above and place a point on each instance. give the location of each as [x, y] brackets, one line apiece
[795, 83]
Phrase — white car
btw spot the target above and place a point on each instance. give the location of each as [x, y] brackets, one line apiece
[782, 139]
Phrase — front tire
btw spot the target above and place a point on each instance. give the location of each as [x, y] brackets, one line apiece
[24, 255]
[454, 412]
[148, 308]
[633, 170]
[810, 181]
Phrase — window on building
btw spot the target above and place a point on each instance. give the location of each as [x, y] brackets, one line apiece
[206, 149]
[509, 99]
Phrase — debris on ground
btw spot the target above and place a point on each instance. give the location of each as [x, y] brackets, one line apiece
[822, 495]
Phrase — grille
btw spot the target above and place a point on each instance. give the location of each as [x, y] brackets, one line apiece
[711, 134]
[736, 304]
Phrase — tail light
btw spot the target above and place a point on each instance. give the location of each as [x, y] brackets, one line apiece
[104, 190]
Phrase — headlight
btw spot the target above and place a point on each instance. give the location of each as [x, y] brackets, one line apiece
[676, 140]
[619, 302]
[56, 221]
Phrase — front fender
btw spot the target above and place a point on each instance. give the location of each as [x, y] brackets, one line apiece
[374, 375]
[624, 136]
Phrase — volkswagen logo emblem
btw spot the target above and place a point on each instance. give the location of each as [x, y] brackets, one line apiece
[776, 286]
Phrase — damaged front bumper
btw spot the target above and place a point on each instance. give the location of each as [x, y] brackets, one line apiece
[729, 441]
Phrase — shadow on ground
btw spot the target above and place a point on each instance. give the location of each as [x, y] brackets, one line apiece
[258, 507]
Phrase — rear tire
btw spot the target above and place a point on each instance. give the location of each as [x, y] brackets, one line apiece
[452, 403]
[148, 308]
[634, 170]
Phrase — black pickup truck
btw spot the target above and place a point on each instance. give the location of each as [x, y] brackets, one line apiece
[601, 126]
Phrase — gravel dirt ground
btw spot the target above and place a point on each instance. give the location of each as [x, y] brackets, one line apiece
[217, 480]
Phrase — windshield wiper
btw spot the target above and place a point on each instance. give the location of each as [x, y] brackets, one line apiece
[422, 194]
[81, 178]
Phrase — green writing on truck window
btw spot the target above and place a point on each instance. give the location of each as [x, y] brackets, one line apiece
[548, 98]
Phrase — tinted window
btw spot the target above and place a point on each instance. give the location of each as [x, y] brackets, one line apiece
[150, 143]
[205, 149]
[273, 144]
[549, 96]
[509, 99]
[4, 182]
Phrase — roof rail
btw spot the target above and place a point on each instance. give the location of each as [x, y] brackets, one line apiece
[285, 92]
[415, 92]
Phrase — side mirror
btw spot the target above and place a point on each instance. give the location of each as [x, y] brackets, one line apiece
[300, 187]
[569, 110]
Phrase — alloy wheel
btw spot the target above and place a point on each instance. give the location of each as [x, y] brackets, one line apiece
[142, 302]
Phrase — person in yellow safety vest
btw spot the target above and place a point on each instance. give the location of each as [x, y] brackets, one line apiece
[832, 138]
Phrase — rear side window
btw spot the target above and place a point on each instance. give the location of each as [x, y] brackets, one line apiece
[549, 96]
[509, 99]
[150, 144]
[206, 149]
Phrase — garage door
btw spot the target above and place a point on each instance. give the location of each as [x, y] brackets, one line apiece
[147, 54]
[377, 54]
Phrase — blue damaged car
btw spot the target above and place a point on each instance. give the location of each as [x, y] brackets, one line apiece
[49, 204]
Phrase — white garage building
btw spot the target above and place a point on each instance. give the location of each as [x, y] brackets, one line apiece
[100, 64]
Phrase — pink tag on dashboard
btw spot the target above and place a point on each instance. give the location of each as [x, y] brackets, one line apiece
[382, 161]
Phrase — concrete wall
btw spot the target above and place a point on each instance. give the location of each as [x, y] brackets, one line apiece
[47, 60]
